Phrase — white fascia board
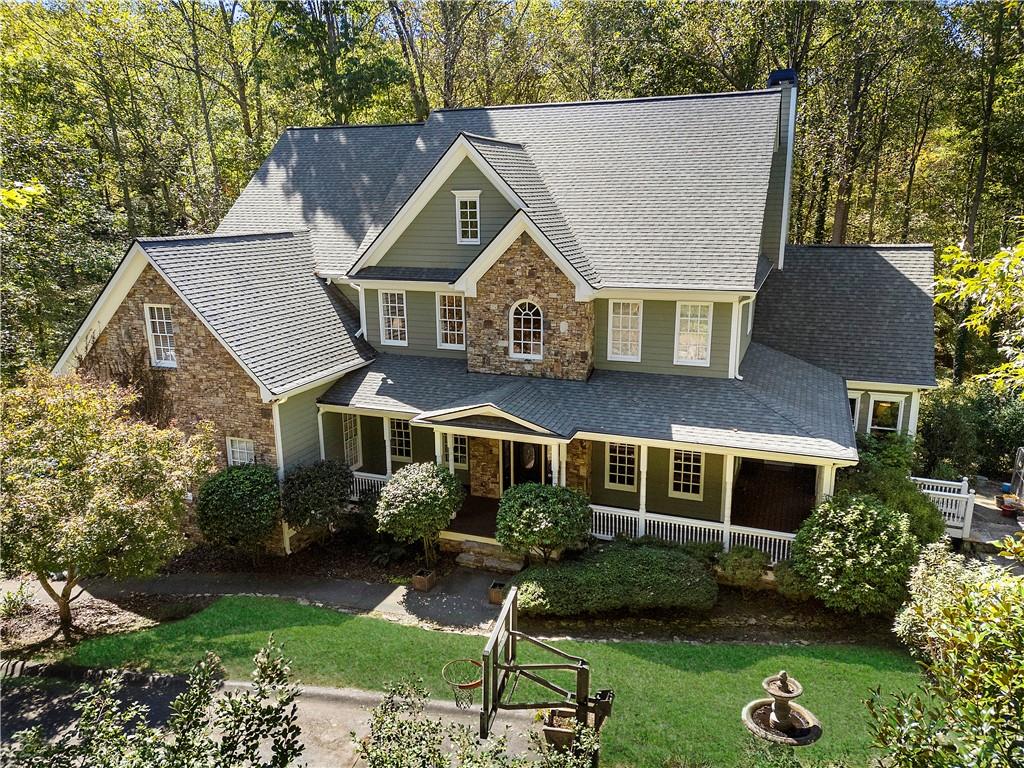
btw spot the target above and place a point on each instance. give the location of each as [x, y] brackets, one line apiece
[460, 149]
[787, 187]
[517, 225]
[489, 409]
[103, 309]
[882, 386]
[390, 413]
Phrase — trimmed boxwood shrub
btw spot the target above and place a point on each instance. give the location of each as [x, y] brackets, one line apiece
[542, 517]
[743, 566]
[617, 577]
[856, 554]
[708, 552]
[789, 583]
[238, 507]
[317, 494]
[417, 503]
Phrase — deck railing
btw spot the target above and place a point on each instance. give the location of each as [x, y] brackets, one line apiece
[955, 500]
[609, 522]
[366, 484]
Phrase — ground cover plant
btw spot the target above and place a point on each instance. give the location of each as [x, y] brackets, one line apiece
[673, 700]
[620, 576]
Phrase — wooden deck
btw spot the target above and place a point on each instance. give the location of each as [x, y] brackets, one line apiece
[478, 517]
[772, 497]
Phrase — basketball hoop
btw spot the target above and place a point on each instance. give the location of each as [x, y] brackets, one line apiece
[463, 676]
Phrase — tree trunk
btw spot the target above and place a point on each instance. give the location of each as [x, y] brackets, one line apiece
[62, 599]
[410, 51]
[429, 555]
[921, 125]
[115, 140]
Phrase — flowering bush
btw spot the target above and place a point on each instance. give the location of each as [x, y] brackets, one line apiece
[317, 494]
[417, 503]
[856, 554]
[238, 507]
[542, 517]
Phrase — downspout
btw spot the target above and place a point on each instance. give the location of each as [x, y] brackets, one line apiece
[738, 312]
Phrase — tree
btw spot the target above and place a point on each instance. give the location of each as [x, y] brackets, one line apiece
[87, 490]
[417, 503]
[543, 518]
[201, 732]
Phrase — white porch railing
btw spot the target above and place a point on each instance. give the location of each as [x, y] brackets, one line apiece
[609, 522]
[955, 500]
[365, 483]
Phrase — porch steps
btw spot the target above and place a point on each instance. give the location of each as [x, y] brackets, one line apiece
[488, 557]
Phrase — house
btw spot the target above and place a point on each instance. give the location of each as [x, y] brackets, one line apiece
[598, 294]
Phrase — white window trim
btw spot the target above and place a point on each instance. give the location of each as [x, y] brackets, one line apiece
[359, 440]
[227, 449]
[437, 320]
[607, 469]
[520, 355]
[153, 362]
[444, 452]
[380, 319]
[467, 194]
[676, 360]
[640, 340]
[856, 409]
[391, 441]
[879, 397]
[699, 496]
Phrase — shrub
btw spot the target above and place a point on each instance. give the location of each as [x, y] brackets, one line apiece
[417, 503]
[707, 552]
[743, 566]
[542, 517]
[884, 472]
[238, 507]
[789, 583]
[616, 577]
[14, 602]
[317, 494]
[856, 554]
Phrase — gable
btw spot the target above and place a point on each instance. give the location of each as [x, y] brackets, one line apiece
[429, 240]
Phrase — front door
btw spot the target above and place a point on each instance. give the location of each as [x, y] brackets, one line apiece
[523, 463]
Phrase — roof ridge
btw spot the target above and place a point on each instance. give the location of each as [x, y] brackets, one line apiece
[634, 100]
[215, 236]
[492, 140]
[887, 246]
[336, 127]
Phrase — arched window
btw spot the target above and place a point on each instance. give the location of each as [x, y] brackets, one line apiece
[526, 331]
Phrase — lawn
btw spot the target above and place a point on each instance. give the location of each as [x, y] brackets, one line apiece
[673, 700]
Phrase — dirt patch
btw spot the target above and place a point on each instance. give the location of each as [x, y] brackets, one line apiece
[342, 556]
[764, 617]
[36, 630]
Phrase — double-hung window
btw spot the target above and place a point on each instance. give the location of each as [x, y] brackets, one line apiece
[160, 334]
[393, 325]
[467, 217]
[693, 334]
[451, 321]
[625, 326]
[526, 331]
[350, 442]
[686, 475]
[886, 415]
[855, 409]
[620, 466]
[241, 451]
[460, 451]
[401, 439]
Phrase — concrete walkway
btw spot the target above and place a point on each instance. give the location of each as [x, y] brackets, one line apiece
[458, 601]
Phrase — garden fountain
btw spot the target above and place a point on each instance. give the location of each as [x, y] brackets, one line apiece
[780, 718]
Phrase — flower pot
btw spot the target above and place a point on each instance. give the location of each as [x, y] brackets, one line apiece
[558, 728]
[496, 593]
[424, 580]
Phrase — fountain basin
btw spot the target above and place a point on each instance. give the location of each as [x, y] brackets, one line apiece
[804, 727]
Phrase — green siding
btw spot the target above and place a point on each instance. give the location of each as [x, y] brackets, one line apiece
[300, 435]
[658, 500]
[658, 344]
[349, 292]
[429, 241]
[421, 314]
[771, 228]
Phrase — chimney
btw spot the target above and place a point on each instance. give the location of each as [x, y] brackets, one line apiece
[780, 76]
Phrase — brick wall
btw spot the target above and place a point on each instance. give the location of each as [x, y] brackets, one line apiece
[525, 272]
[484, 462]
[207, 384]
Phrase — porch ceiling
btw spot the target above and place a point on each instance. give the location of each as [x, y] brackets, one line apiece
[782, 404]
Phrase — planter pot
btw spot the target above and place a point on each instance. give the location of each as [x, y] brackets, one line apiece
[558, 730]
[496, 593]
[424, 580]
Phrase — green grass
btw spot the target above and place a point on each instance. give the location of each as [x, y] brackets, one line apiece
[672, 700]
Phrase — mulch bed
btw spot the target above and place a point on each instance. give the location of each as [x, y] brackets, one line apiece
[342, 556]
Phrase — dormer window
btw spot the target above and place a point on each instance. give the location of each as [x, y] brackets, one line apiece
[160, 334]
[693, 334]
[467, 217]
[526, 331]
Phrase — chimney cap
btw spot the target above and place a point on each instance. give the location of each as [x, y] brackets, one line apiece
[780, 76]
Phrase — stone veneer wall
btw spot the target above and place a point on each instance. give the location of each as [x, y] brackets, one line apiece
[484, 464]
[525, 272]
[207, 384]
[577, 466]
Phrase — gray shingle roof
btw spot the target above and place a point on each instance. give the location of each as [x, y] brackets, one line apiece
[864, 312]
[428, 274]
[782, 405]
[666, 192]
[259, 293]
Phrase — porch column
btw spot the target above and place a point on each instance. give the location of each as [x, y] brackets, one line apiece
[438, 452]
[915, 408]
[826, 483]
[642, 524]
[554, 453]
[563, 453]
[320, 432]
[728, 473]
[450, 438]
[387, 444]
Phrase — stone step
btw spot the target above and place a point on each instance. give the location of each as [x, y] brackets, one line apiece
[500, 562]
